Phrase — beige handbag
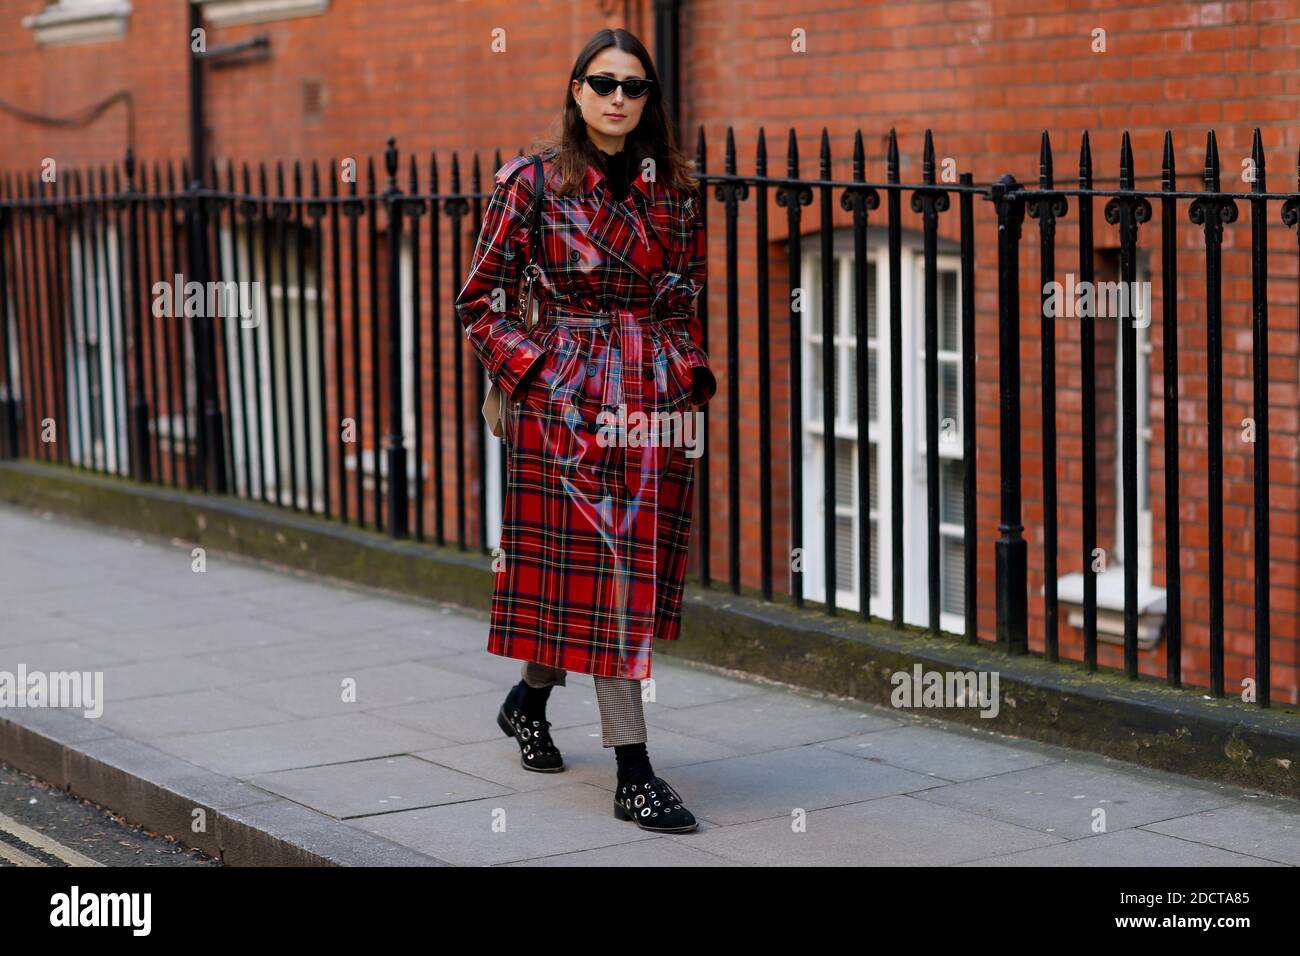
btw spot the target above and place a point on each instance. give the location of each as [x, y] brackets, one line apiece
[494, 403]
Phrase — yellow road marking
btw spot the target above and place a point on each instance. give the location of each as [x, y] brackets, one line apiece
[17, 857]
[41, 842]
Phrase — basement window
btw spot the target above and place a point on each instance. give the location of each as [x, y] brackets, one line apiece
[1151, 600]
[853, 528]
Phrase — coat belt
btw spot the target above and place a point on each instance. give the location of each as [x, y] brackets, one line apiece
[624, 381]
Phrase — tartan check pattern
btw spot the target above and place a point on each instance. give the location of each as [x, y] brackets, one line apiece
[595, 533]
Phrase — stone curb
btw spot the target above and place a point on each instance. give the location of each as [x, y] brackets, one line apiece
[240, 824]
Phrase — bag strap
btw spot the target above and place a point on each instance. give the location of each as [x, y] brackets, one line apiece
[534, 244]
[535, 230]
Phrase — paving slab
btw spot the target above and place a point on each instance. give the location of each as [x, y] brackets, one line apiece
[319, 723]
[1132, 848]
[372, 787]
[1079, 797]
[892, 831]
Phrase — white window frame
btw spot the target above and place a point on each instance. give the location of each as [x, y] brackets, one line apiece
[96, 323]
[1143, 406]
[814, 430]
[494, 500]
[377, 454]
[415, 470]
[282, 305]
[11, 389]
[915, 498]
[915, 515]
[1151, 600]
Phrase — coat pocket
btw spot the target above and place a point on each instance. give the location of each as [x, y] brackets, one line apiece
[679, 379]
[554, 381]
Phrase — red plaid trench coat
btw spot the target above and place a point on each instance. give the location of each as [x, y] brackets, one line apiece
[597, 515]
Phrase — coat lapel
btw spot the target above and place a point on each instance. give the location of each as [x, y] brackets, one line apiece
[617, 229]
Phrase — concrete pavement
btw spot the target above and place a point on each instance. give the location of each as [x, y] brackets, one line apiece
[361, 727]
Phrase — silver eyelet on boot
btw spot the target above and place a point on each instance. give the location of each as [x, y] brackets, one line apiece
[537, 751]
[670, 817]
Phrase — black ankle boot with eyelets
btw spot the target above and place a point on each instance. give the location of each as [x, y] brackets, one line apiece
[653, 805]
[536, 749]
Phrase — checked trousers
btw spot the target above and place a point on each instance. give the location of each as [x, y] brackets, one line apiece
[622, 720]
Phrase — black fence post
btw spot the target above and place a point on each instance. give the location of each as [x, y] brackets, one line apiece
[140, 460]
[8, 405]
[1047, 207]
[1259, 351]
[212, 445]
[1169, 345]
[1212, 212]
[970, 550]
[930, 202]
[859, 201]
[397, 497]
[1128, 212]
[1010, 551]
[893, 171]
[733, 193]
[829, 283]
[792, 195]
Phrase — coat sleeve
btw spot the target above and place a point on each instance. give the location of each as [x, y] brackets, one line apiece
[486, 302]
[682, 317]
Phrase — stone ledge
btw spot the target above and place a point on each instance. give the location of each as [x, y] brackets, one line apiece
[63, 23]
[227, 13]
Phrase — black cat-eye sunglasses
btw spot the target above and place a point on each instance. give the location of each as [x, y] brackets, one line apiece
[634, 86]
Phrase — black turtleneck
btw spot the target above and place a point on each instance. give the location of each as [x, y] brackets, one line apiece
[615, 166]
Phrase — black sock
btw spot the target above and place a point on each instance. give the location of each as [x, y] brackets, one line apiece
[633, 763]
[532, 700]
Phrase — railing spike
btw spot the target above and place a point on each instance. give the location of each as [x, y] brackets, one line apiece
[1126, 163]
[1211, 162]
[1085, 162]
[1167, 175]
[1045, 161]
[1257, 159]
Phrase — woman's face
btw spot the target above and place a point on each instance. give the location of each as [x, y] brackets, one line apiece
[607, 131]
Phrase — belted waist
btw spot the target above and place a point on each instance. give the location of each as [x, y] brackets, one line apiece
[625, 380]
[560, 313]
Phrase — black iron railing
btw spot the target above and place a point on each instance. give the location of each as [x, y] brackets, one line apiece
[354, 328]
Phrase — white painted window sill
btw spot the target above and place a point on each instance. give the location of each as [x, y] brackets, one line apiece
[1151, 607]
[225, 13]
[88, 21]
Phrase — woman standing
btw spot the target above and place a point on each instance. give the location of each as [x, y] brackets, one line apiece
[600, 416]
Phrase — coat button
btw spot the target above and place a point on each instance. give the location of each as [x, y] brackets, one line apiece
[574, 255]
[591, 369]
[648, 374]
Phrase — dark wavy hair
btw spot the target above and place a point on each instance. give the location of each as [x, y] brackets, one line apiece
[653, 136]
